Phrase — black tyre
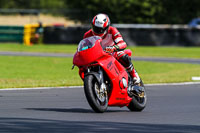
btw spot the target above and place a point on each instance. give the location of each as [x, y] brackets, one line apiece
[138, 102]
[96, 99]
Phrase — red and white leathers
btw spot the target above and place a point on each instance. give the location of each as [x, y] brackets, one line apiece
[114, 38]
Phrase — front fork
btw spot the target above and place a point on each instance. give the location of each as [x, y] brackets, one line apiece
[100, 77]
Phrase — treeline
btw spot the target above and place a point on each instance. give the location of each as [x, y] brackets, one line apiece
[32, 4]
[120, 11]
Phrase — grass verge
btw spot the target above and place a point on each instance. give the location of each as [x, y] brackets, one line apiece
[39, 48]
[19, 71]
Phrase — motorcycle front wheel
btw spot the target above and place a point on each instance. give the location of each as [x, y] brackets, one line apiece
[96, 97]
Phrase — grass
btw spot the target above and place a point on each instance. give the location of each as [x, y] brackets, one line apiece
[19, 71]
[36, 72]
[55, 71]
[178, 52]
[39, 48]
[154, 72]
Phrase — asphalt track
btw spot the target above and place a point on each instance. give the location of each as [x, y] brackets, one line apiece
[155, 59]
[170, 108]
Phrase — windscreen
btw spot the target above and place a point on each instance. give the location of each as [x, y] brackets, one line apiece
[87, 43]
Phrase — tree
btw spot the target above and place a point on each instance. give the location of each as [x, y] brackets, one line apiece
[32, 4]
[178, 11]
[119, 11]
[141, 11]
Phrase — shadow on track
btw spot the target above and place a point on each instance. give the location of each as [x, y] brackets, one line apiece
[72, 110]
[24, 125]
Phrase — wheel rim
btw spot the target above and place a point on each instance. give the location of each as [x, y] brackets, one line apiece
[141, 99]
[101, 96]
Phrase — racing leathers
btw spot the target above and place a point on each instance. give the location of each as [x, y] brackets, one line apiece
[113, 42]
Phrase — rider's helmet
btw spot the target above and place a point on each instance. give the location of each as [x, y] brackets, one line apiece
[100, 24]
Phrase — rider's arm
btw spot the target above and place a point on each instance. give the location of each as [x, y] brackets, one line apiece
[119, 42]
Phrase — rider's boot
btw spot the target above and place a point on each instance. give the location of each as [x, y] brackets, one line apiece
[134, 74]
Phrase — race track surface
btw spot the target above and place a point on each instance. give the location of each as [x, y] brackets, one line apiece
[170, 108]
[155, 59]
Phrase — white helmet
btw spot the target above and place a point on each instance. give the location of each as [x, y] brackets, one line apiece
[100, 24]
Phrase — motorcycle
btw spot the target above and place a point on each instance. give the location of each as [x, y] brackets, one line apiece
[106, 81]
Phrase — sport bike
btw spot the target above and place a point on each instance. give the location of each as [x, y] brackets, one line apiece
[106, 81]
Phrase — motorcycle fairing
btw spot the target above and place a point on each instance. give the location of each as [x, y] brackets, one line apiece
[115, 72]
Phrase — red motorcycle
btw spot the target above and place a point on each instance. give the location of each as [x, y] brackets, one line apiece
[106, 81]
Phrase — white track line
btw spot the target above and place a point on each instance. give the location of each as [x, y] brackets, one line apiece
[165, 84]
[39, 88]
[47, 88]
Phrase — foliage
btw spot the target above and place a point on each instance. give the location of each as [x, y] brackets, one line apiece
[32, 4]
[120, 11]
[142, 11]
[178, 11]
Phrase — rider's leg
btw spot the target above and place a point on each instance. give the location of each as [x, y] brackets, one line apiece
[125, 60]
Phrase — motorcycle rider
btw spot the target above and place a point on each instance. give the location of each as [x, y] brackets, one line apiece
[113, 42]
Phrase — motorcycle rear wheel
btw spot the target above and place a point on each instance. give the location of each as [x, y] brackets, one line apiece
[138, 103]
[97, 101]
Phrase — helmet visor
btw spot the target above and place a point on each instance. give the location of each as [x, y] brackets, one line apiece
[98, 30]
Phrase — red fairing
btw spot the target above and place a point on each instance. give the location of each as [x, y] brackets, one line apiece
[88, 56]
[119, 95]
[95, 56]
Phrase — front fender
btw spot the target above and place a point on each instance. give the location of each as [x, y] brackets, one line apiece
[95, 74]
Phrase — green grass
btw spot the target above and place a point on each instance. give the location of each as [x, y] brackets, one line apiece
[52, 71]
[36, 72]
[178, 52]
[154, 72]
[39, 48]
